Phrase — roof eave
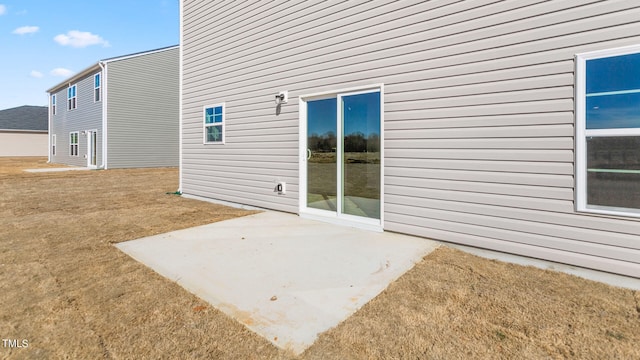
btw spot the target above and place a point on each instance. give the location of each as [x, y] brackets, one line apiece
[75, 77]
[96, 66]
[141, 53]
[24, 131]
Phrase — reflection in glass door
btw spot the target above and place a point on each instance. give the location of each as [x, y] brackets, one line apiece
[92, 152]
[94, 148]
[343, 154]
[321, 154]
[361, 154]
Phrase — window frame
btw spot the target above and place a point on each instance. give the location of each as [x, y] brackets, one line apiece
[582, 133]
[53, 104]
[53, 144]
[97, 89]
[205, 125]
[72, 101]
[74, 145]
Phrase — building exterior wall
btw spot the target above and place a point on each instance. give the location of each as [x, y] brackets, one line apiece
[478, 112]
[86, 116]
[20, 143]
[142, 110]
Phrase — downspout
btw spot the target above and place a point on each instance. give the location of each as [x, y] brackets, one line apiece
[180, 76]
[49, 130]
[103, 79]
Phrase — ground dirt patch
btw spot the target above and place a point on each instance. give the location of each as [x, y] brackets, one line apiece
[71, 294]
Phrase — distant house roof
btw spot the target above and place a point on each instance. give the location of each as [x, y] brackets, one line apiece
[96, 66]
[25, 118]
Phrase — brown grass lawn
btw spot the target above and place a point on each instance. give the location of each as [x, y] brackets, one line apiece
[67, 291]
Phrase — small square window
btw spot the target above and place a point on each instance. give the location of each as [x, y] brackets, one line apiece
[214, 124]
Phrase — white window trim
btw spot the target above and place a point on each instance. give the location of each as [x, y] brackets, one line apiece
[205, 125]
[582, 133]
[53, 104]
[77, 143]
[69, 108]
[99, 88]
[53, 145]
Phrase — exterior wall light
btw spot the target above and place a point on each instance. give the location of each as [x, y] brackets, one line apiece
[282, 97]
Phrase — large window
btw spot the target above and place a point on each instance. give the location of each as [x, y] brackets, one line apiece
[73, 143]
[214, 124]
[96, 87]
[72, 98]
[608, 131]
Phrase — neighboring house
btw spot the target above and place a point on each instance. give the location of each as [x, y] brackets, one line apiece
[23, 131]
[118, 113]
[506, 125]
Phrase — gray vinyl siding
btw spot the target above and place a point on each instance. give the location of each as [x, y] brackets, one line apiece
[478, 112]
[142, 110]
[86, 116]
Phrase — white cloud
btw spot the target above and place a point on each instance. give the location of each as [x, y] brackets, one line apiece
[61, 72]
[36, 74]
[3, 9]
[26, 30]
[80, 39]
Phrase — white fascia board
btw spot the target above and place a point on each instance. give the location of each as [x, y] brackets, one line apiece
[75, 78]
[129, 56]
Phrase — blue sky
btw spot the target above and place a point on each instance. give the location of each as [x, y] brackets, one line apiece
[44, 42]
[613, 92]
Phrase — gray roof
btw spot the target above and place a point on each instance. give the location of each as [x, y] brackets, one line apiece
[30, 118]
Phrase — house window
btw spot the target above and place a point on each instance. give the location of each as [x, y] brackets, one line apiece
[214, 124]
[73, 143]
[96, 87]
[53, 104]
[53, 145]
[72, 98]
[608, 131]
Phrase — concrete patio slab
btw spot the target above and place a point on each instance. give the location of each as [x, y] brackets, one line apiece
[56, 169]
[284, 277]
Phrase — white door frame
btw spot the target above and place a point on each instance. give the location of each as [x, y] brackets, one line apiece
[336, 216]
[53, 150]
[91, 148]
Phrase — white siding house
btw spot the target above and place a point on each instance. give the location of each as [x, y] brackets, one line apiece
[23, 131]
[505, 125]
[118, 113]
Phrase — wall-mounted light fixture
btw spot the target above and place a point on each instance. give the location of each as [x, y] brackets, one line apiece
[83, 132]
[282, 97]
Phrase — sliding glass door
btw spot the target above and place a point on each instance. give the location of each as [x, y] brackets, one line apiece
[360, 156]
[343, 155]
[322, 159]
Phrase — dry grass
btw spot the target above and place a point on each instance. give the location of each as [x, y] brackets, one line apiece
[71, 294]
[454, 305]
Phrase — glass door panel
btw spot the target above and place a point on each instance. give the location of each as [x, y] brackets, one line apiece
[322, 154]
[361, 154]
[94, 148]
